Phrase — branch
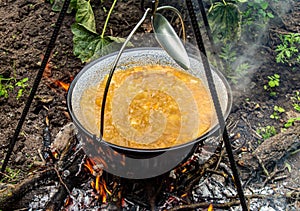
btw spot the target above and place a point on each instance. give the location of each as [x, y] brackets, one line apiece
[11, 194]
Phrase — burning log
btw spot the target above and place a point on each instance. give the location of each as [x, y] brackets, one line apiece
[66, 169]
[11, 194]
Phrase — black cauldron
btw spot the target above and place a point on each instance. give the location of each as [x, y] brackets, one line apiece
[130, 162]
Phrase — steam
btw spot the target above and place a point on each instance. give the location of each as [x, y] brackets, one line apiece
[251, 57]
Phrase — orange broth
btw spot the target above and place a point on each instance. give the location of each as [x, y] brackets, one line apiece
[149, 107]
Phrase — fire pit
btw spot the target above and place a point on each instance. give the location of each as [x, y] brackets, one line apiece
[144, 159]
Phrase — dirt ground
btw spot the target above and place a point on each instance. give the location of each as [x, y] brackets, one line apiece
[25, 29]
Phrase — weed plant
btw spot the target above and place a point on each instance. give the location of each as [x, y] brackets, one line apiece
[288, 50]
[267, 132]
[296, 101]
[277, 111]
[9, 84]
[273, 82]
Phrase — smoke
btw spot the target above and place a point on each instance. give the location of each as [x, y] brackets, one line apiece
[256, 39]
[253, 42]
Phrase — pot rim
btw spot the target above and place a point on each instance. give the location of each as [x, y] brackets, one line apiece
[128, 149]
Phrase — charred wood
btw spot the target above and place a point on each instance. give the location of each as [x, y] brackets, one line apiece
[11, 194]
[272, 150]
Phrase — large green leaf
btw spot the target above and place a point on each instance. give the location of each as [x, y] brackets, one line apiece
[89, 46]
[58, 4]
[85, 15]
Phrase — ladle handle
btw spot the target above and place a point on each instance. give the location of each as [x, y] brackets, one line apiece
[180, 17]
[113, 70]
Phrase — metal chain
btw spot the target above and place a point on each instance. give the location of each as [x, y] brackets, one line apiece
[216, 102]
[36, 83]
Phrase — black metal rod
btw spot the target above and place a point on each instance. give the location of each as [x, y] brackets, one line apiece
[36, 83]
[218, 109]
[209, 34]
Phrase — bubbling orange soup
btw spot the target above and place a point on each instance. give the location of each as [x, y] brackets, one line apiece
[149, 107]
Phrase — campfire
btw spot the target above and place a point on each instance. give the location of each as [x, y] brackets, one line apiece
[73, 181]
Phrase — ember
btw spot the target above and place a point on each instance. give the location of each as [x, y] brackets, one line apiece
[47, 74]
[61, 84]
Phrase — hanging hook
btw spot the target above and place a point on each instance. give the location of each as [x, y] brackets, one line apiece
[154, 5]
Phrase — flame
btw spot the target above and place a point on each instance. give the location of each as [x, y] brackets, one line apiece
[101, 188]
[64, 85]
[99, 185]
[89, 165]
[68, 202]
[184, 195]
[172, 188]
[210, 208]
[47, 74]
[55, 155]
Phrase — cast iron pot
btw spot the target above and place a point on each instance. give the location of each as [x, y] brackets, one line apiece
[129, 162]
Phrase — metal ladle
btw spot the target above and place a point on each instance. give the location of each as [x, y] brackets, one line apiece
[165, 36]
[168, 38]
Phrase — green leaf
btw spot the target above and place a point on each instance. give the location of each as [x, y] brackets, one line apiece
[22, 82]
[83, 42]
[288, 53]
[89, 46]
[225, 20]
[270, 15]
[58, 4]
[280, 109]
[296, 107]
[108, 45]
[291, 121]
[20, 93]
[119, 40]
[85, 15]
[264, 5]
[272, 84]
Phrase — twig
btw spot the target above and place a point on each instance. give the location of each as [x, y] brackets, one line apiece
[272, 176]
[213, 159]
[61, 181]
[292, 195]
[226, 205]
[262, 166]
[254, 133]
[220, 158]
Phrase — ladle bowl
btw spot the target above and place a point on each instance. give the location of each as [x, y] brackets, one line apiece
[131, 162]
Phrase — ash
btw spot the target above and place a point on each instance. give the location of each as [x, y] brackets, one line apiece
[214, 189]
[40, 199]
[86, 199]
[195, 181]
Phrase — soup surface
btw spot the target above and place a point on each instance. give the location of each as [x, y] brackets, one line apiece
[149, 107]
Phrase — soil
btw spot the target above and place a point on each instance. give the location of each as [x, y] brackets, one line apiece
[25, 30]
